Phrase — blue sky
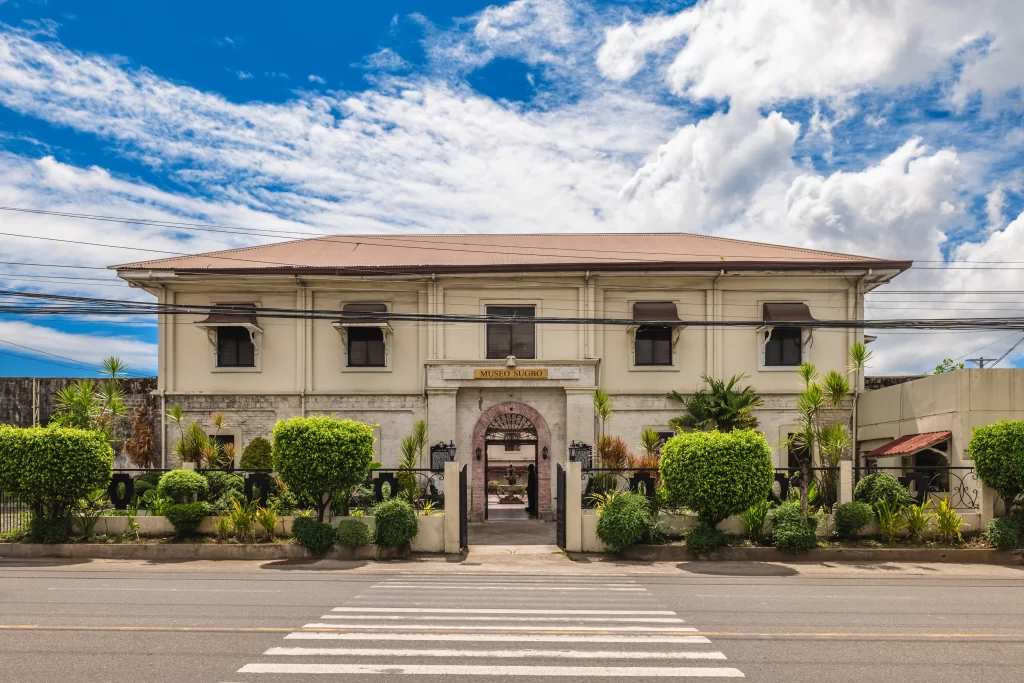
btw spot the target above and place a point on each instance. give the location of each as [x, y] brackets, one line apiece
[891, 129]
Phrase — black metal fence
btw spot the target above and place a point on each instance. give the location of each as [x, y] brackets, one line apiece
[822, 485]
[960, 484]
[598, 481]
[15, 512]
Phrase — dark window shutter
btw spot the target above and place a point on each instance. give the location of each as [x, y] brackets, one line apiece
[366, 347]
[235, 348]
[653, 345]
[784, 347]
[511, 339]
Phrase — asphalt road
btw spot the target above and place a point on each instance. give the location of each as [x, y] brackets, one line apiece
[498, 616]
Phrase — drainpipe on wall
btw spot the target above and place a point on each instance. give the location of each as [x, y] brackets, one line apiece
[163, 429]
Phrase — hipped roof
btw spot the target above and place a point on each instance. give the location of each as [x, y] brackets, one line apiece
[383, 254]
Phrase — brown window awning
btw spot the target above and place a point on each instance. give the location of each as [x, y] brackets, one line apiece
[356, 314]
[655, 310]
[909, 444]
[788, 313]
[230, 315]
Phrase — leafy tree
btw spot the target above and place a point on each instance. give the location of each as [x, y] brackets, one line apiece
[87, 404]
[316, 456]
[717, 474]
[722, 405]
[998, 454]
[258, 455]
[947, 365]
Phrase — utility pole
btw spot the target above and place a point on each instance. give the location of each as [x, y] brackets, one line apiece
[981, 361]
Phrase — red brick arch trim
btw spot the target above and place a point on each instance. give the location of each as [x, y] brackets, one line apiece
[543, 465]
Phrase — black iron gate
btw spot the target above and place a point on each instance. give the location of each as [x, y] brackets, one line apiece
[463, 508]
[560, 506]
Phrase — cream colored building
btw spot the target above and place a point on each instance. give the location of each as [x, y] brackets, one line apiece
[394, 329]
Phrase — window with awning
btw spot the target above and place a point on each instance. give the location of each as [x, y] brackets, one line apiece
[234, 334]
[783, 343]
[364, 327]
[652, 344]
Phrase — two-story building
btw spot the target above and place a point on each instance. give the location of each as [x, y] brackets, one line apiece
[480, 335]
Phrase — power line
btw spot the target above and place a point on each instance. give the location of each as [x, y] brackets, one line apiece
[73, 360]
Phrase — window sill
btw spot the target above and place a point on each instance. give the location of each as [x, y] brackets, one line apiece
[241, 369]
[778, 368]
[654, 368]
[365, 369]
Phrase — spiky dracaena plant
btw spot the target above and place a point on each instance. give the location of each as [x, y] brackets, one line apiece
[602, 408]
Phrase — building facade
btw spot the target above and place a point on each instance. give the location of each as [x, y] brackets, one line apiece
[480, 335]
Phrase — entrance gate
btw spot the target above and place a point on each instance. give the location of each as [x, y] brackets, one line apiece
[560, 506]
[512, 431]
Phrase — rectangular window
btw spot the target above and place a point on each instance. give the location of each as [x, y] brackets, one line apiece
[235, 348]
[653, 345]
[794, 454]
[366, 347]
[512, 338]
[784, 347]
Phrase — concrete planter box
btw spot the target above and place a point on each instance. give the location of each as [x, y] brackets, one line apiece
[429, 539]
[675, 553]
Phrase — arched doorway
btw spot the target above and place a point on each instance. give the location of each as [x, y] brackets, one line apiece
[511, 426]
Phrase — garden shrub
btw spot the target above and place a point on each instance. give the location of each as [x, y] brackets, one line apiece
[186, 517]
[395, 523]
[717, 474]
[223, 487]
[703, 539]
[850, 518]
[625, 519]
[53, 467]
[258, 455]
[789, 529]
[315, 456]
[183, 486]
[879, 486]
[1004, 533]
[43, 529]
[998, 454]
[317, 537]
[352, 533]
[147, 482]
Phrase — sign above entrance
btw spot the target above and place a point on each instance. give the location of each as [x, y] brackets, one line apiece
[510, 373]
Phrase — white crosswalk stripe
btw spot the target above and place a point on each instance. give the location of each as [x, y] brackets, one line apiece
[545, 627]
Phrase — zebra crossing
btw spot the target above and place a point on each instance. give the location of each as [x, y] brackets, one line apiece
[485, 625]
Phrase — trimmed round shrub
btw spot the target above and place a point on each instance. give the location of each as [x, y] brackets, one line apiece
[186, 517]
[1004, 533]
[352, 533]
[46, 530]
[879, 486]
[998, 454]
[703, 539]
[850, 518]
[52, 467]
[258, 455]
[789, 529]
[395, 523]
[315, 456]
[147, 482]
[224, 486]
[626, 519]
[183, 486]
[717, 474]
[317, 537]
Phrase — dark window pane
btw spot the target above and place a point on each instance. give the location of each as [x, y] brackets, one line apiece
[784, 347]
[235, 348]
[366, 347]
[653, 345]
[511, 339]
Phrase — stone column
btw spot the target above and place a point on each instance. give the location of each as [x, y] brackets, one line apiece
[845, 482]
[579, 417]
[574, 507]
[452, 511]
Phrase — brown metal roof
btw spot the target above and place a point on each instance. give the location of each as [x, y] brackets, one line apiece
[354, 254]
[909, 444]
[788, 313]
[655, 310]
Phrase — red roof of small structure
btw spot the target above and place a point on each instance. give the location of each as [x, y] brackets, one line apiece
[911, 443]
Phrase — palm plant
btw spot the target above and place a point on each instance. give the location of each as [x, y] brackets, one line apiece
[407, 462]
[602, 408]
[723, 405]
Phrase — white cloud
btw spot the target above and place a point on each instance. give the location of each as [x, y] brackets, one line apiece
[773, 50]
[384, 59]
[88, 348]
[243, 75]
[313, 78]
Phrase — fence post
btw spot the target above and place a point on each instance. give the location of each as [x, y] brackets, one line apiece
[574, 507]
[451, 508]
[845, 481]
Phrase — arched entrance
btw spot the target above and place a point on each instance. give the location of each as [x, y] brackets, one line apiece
[511, 425]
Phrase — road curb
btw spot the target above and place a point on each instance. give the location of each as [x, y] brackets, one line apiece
[188, 551]
[674, 553]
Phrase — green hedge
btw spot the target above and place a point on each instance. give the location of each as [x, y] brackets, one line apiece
[395, 523]
[52, 467]
[998, 454]
[789, 529]
[317, 455]
[624, 521]
[1004, 533]
[717, 474]
[186, 517]
[316, 536]
[703, 539]
[883, 486]
[258, 455]
[352, 533]
[183, 486]
[850, 518]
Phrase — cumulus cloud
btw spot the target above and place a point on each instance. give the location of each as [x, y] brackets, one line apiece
[87, 348]
[313, 78]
